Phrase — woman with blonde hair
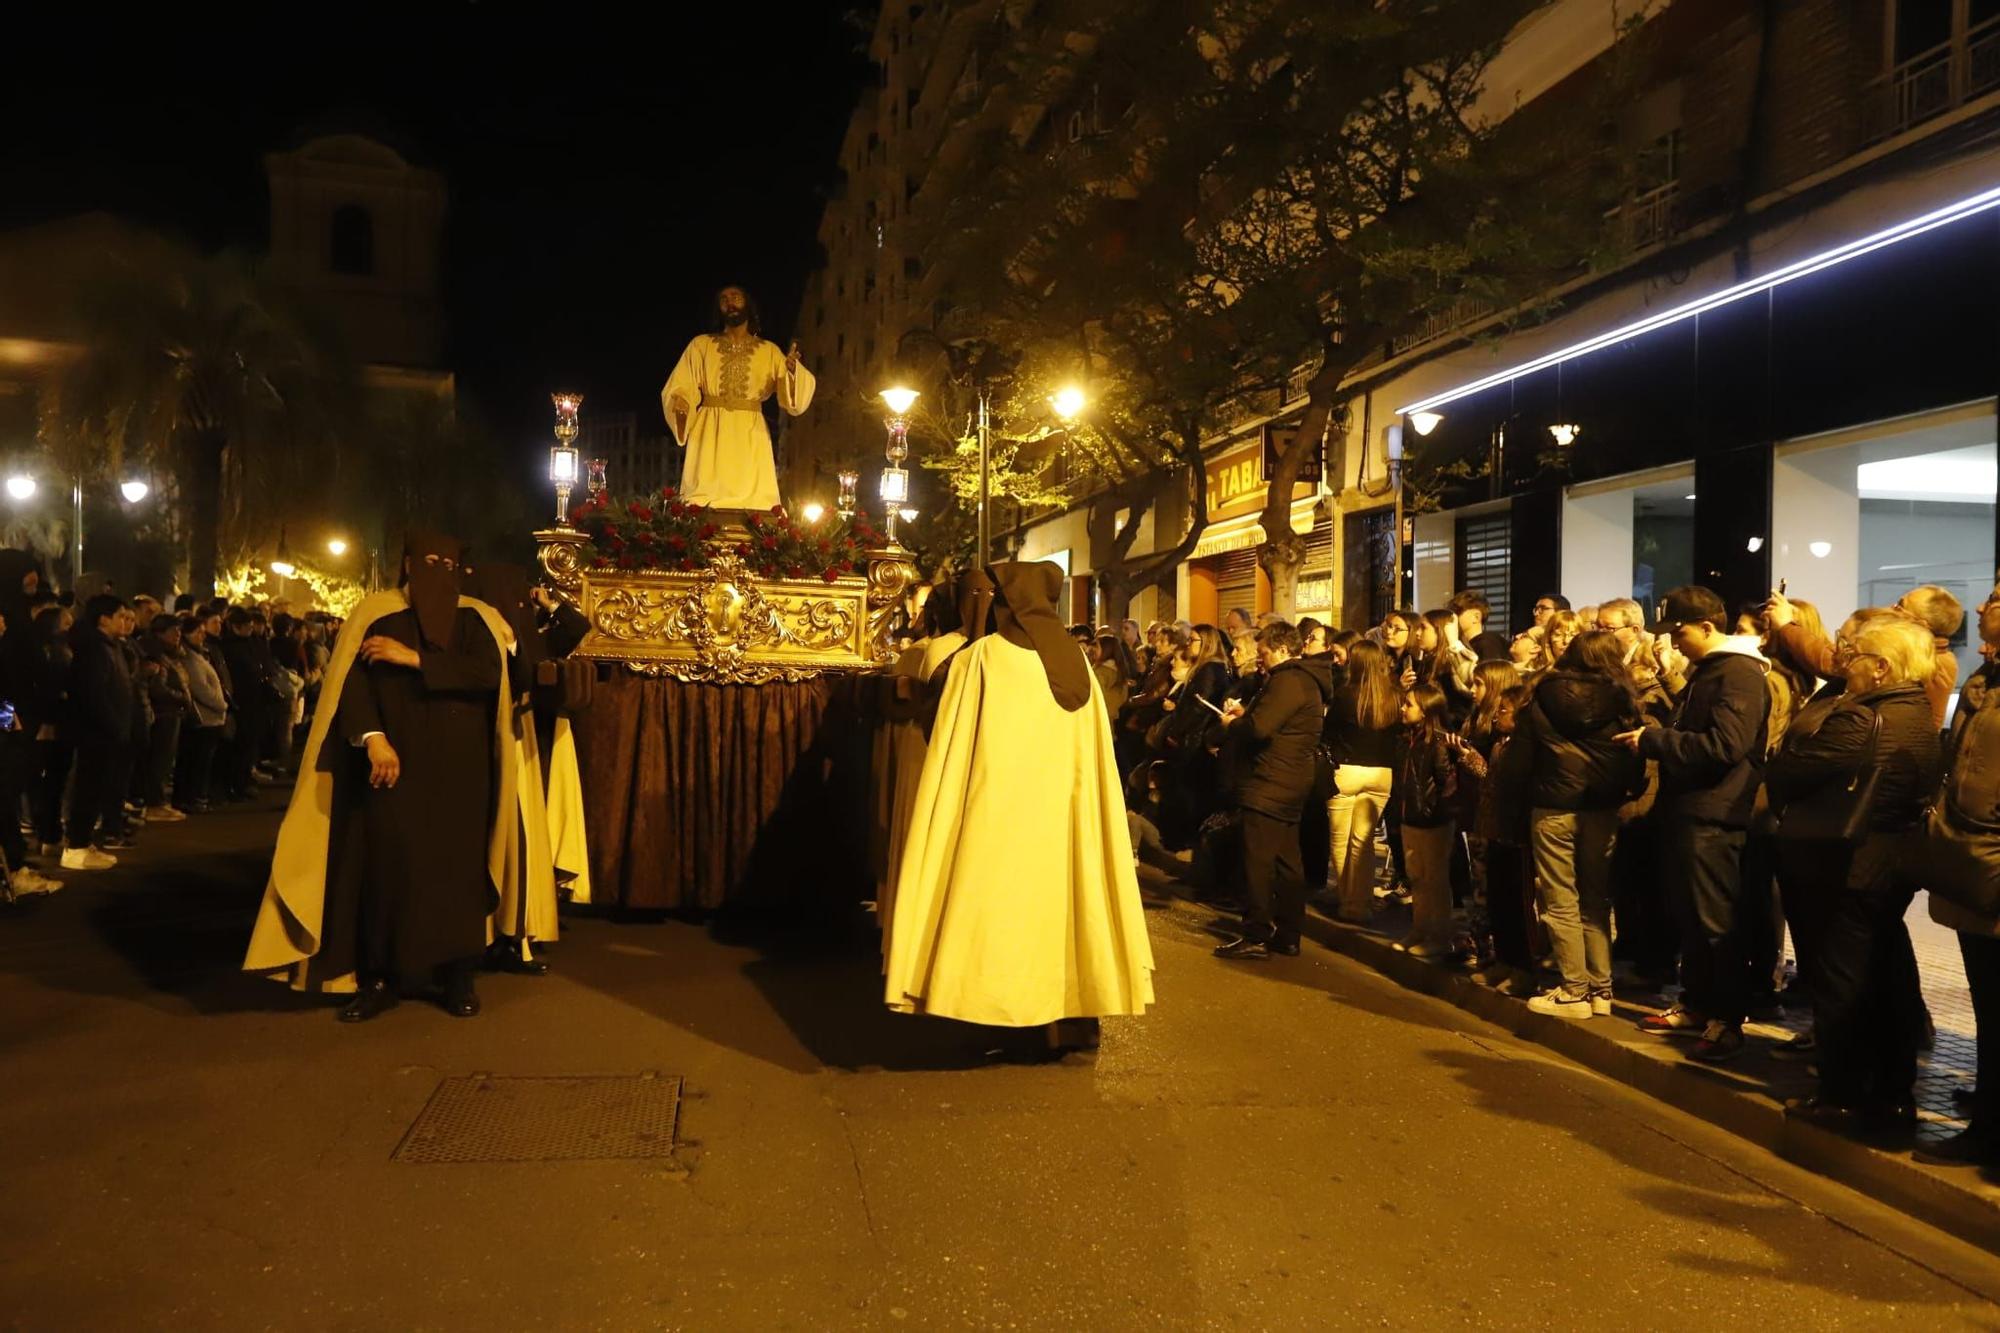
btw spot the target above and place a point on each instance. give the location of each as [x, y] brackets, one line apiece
[1867, 1002]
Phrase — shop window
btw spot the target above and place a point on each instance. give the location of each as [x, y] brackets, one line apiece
[1485, 551]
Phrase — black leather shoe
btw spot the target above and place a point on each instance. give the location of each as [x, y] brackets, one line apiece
[371, 999]
[1825, 1114]
[506, 958]
[1245, 948]
[1968, 1147]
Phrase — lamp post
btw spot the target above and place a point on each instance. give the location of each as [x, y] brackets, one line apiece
[562, 455]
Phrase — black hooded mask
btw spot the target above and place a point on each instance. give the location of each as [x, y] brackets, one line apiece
[433, 585]
[1024, 614]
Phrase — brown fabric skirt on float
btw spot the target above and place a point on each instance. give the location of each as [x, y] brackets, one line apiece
[697, 796]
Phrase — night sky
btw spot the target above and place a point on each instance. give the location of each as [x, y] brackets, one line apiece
[607, 172]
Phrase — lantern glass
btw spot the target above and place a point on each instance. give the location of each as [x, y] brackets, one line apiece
[562, 466]
[844, 506]
[895, 485]
[595, 469]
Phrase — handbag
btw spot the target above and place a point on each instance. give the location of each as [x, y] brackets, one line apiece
[1836, 817]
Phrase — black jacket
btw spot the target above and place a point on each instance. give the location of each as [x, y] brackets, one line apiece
[1348, 742]
[1907, 754]
[1426, 780]
[100, 690]
[1275, 740]
[1187, 727]
[1571, 722]
[1713, 753]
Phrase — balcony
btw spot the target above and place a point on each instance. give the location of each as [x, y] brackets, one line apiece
[1649, 219]
[1933, 82]
[1445, 319]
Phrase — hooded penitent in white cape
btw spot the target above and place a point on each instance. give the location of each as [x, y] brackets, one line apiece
[906, 751]
[1016, 901]
[720, 384]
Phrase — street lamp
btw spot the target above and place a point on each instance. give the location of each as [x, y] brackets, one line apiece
[21, 486]
[133, 491]
[281, 563]
[1068, 403]
[562, 455]
[336, 547]
[1425, 422]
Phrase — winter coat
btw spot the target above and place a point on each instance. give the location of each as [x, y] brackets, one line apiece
[1504, 807]
[1274, 742]
[1426, 780]
[211, 705]
[1712, 754]
[1907, 756]
[1186, 727]
[100, 689]
[1571, 723]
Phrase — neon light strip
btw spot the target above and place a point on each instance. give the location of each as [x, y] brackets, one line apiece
[1902, 231]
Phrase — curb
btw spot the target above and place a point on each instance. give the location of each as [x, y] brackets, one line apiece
[1955, 1200]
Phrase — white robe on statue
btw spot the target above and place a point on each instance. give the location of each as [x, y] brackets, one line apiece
[720, 384]
[1016, 900]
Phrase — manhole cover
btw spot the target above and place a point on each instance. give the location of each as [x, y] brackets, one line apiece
[484, 1118]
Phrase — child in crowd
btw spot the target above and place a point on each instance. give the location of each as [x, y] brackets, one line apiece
[1501, 830]
[1426, 783]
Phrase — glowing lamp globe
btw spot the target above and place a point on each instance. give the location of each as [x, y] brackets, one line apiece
[133, 491]
[21, 486]
[1068, 402]
[335, 546]
[900, 400]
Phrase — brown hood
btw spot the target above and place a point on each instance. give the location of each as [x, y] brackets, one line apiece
[1024, 614]
[975, 603]
[433, 586]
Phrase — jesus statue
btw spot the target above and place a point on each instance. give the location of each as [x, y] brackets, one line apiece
[714, 403]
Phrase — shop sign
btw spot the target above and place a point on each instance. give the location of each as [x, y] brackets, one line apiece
[1237, 476]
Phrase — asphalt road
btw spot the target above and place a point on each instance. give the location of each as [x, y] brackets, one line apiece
[1298, 1145]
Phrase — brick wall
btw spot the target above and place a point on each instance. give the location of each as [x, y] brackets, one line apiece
[1817, 79]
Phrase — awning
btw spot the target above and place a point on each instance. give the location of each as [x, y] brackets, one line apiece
[1235, 534]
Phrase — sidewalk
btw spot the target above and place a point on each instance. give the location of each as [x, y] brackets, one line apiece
[1747, 1095]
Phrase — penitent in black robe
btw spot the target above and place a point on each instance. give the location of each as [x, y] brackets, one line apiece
[407, 882]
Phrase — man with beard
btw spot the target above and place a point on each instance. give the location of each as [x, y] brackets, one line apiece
[401, 835]
[714, 401]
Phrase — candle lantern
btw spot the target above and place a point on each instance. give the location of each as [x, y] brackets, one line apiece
[563, 460]
[595, 476]
[844, 506]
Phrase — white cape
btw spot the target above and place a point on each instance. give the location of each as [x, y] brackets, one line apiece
[1016, 900]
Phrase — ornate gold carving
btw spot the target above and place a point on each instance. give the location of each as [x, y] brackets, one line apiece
[560, 553]
[721, 625]
[890, 574]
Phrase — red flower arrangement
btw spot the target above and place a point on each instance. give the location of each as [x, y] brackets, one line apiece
[667, 532]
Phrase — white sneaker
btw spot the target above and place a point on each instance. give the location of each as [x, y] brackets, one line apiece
[1561, 1005]
[1600, 1006]
[25, 882]
[87, 858]
[163, 814]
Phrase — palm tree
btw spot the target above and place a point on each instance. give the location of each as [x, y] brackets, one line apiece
[203, 366]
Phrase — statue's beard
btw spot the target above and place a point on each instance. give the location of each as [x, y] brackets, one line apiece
[735, 319]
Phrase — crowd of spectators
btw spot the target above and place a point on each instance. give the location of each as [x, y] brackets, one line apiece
[116, 713]
[1663, 792]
